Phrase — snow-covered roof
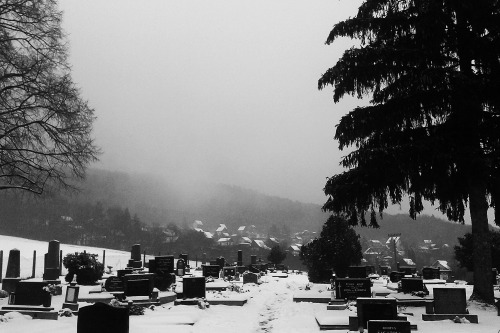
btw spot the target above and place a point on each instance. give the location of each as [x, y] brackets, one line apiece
[209, 234]
[260, 243]
[246, 239]
[408, 261]
[441, 264]
[198, 222]
[295, 247]
[221, 240]
[221, 228]
[242, 228]
[198, 229]
[392, 239]
[272, 239]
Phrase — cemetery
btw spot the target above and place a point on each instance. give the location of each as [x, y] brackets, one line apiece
[171, 296]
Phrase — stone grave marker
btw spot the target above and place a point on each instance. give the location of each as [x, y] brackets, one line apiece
[52, 263]
[430, 273]
[13, 272]
[408, 270]
[221, 262]
[450, 300]
[32, 293]
[241, 269]
[181, 266]
[449, 303]
[142, 288]
[384, 270]
[193, 287]
[240, 258]
[370, 269]
[185, 257]
[210, 270]
[250, 278]
[396, 276]
[389, 326]
[348, 288]
[409, 285]
[253, 259]
[103, 318]
[113, 283]
[375, 309]
[357, 272]
[135, 257]
[164, 264]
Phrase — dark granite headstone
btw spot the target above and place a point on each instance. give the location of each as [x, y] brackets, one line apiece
[430, 273]
[103, 318]
[221, 261]
[137, 287]
[250, 278]
[185, 257]
[396, 276]
[31, 293]
[253, 259]
[388, 326]
[376, 309]
[135, 253]
[181, 267]
[14, 264]
[229, 271]
[210, 270]
[357, 272]
[450, 301]
[193, 287]
[164, 264]
[52, 261]
[152, 266]
[113, 283]
[347, 288]
[240, 258]
[409, 285]
[241, 269]
[408, 270]
[122, 272]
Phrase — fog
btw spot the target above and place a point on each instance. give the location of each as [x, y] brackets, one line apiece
[224, 91]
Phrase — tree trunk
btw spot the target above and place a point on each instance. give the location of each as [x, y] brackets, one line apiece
[481, 253]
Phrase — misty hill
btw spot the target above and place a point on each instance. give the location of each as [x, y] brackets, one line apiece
[157, 201]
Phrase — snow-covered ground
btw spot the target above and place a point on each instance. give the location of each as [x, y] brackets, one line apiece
[270, 308]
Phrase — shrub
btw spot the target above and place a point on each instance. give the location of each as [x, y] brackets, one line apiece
[87, 268]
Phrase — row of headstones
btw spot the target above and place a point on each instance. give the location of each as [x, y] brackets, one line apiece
[428, 273]
[52, 266]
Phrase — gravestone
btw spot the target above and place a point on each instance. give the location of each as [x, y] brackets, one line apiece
[396, 276]
[152, 266]
[430, 273]
[408, 270]
[389, 326]
[113, 283]
[103, 318]
[253, 259]
[370, 269]
[163, 267]
[52, 267]
[180, 269]
[135, 257]
[142, 288]
[229, 271]
[193, 287]
[31, 293]
[13, 272]
[448, 304]
[450, 300]
[221, 262]
[139, 287]
[357, 272]
[185, 257]
[210, 270]
[384, 270]
[250, 278]
[409, 285]
[375, 309]
[122, 272]
[347, 288]
[241, 269]
[164, 264]
[240, 258]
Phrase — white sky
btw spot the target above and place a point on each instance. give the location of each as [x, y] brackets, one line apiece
[222, 90]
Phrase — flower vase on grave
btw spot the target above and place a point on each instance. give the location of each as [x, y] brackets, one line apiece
[47, 299]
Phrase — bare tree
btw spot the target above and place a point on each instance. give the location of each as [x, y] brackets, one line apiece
[45, 126]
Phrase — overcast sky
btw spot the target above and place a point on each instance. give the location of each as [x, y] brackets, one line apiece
[225, 90]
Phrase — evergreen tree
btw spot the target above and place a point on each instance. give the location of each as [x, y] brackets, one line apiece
[276, 255]
[431, 131]
[337, 248]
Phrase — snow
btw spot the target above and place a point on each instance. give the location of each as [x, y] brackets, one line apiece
[270, 307]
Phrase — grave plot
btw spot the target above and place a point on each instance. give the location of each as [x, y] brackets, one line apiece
[449, 303]
[32, 299]
[103, 318]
